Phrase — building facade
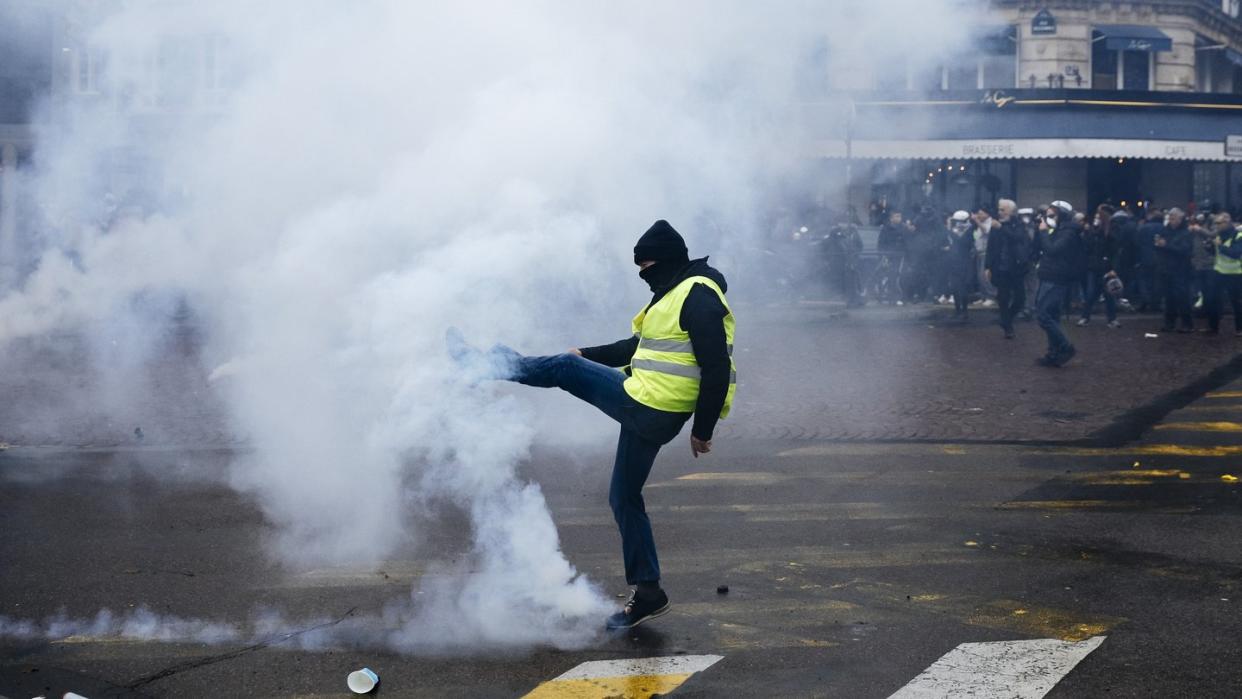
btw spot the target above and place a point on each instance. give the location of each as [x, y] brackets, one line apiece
[1132, 103]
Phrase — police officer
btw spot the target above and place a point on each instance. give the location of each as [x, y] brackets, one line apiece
[677, 363]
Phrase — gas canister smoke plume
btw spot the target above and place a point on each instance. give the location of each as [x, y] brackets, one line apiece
[345, 180]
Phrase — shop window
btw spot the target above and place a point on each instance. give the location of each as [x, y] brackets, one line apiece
[1218, 67]
[1210, 183]
[892, 76]
[1103, 64]
[990, 62]
[998, 66]
[1118, 70]
[962, 74]
[1136, 70]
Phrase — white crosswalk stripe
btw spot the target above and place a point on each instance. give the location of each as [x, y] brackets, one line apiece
[1009, 669]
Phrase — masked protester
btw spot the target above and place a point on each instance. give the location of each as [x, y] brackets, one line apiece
[1146, 278]
[677, 363]
[1227, 283]
[842, 247]
[1030, 284]
[1101, 248]
[1060, 248]
[1005, 263]
[1202, 260]
[959, 261]
[985, 224]
[1124, 229]
[1174, 245]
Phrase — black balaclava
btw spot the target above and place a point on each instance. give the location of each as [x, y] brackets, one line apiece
[664, 246]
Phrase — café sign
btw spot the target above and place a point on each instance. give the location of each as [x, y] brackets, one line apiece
[1233, 146]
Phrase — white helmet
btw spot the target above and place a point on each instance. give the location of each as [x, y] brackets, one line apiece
[1064, 206]
[961, 216]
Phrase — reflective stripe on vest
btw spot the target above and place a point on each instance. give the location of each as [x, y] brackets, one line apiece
[664, 373]
[690, 372]
[670, 346]
[1226, 264]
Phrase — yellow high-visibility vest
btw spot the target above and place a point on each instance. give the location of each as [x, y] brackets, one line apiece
[1224, 263]
[664, 373]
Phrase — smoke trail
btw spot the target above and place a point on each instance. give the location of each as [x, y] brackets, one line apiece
[346, 180]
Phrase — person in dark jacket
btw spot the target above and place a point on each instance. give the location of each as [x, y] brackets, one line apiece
[1202, 260]
[660, 369]
[1174, 245]
[842, 247]
[1059, 243]
[1146, 278]
[1005, 263]
[891, 245]
[922, 255]
[1123, 229]
[1101, 249]
[958, 252]
[1227, 283]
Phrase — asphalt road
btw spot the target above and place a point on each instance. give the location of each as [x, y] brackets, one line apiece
[854, 565]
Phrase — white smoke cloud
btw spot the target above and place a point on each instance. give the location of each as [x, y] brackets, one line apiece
[377, 171]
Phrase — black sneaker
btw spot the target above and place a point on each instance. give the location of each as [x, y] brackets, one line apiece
[1065, 355]
[1047, 360]
[637, 611]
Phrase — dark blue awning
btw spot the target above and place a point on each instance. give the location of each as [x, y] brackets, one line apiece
[1134, 37]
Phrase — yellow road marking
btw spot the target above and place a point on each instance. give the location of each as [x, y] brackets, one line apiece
[1001, 614]
[1131, 477]
[632, 678]
[1202, 426]
[601, 687]
[1224, 394]
[1153, 450]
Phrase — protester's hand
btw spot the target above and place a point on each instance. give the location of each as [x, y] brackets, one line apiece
[575, 350]
[1159, 242]
[1111, 274]
[1043, 225]
[698, 446]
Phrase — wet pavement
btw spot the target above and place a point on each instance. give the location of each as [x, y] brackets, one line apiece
[1080, 538]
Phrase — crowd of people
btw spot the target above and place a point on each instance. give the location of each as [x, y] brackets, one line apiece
[1050, 260]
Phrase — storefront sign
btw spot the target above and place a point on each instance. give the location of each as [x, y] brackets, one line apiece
[996, 97]
[1006, 148]
[1233, 146]
[1044, 23]
[987, 150]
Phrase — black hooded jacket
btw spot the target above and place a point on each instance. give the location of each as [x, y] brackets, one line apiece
[702, 317]
[1061, 258]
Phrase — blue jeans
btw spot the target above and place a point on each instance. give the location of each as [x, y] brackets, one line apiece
[643, 431]
[1049, 300]
[1095, 287]
[1177, 300]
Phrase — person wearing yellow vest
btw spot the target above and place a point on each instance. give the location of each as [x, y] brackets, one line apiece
[1227, 275]
[676, 363]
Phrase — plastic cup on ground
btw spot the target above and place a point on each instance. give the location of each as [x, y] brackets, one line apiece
[362, 681]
